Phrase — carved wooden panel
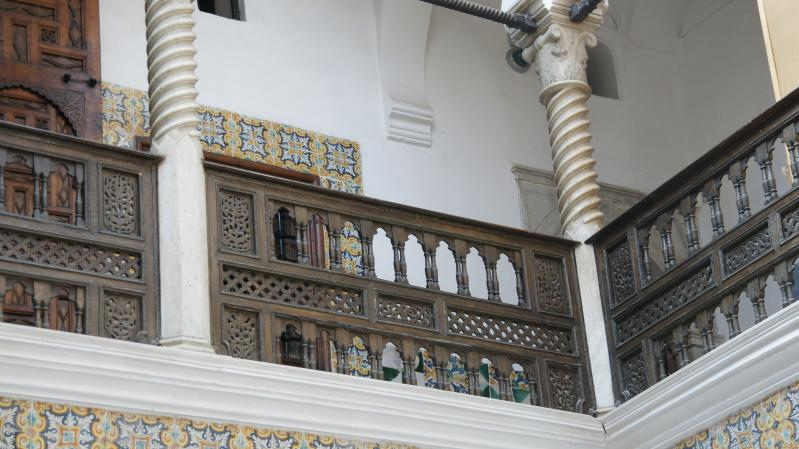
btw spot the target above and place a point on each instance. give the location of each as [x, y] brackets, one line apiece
[51, 65]
[790, 223]
[565, 388]
[633, 372]
[82, 279]
[662, 306]
[236, 217]
[551, 286]
[17, 305]
[620, 267]
[509, 330]
[122, 316]
[241, 333]
[743, 253]
[25, 247]
[120, 202]
[284, 289]
[403, 311]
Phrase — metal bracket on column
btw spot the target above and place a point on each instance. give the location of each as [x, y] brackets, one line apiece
[524, 22]
[582, 9]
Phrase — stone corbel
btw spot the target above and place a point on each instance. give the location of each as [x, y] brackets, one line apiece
[402, 29]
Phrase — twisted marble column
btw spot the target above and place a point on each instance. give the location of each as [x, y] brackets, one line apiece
[561, 56]
[559, 50]
[185, 302]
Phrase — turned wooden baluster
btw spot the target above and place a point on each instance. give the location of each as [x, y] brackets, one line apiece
[789, 137]
[3, 155]
[711, 192]
[729, 307]
[312, 353]
[80, 212]
[756, 291]
[688, 212]
[460, 249]
[764, 157]
[704, 321]
[518, 270]
[399, 259]
[301, 230]
[663, 225]
[80, 312]
[783, 272]
[335, 252]
[646, 262]
[492, 278]
[678, 336]
[661, 359]
[737, 174]
[430, 264]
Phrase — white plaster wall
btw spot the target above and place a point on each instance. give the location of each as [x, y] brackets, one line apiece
[314, 64]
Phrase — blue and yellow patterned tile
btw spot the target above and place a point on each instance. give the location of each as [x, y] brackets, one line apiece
[173, 433]
[340, 160]
[138, 431]
[202, 435]
[66, 427]
[275, 439]
[351, 250]
[295, 146]
[10, 412]
[104, 429]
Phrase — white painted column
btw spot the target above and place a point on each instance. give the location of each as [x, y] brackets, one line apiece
[560, 52]
[183, 235]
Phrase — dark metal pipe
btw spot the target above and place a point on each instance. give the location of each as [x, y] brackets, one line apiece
[522, 22]
[582, 9]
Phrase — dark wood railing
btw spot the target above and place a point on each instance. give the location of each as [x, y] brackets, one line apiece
[462, 305]
[705, 256]
[78, 240]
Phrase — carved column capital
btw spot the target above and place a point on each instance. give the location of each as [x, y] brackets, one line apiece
[561, 56]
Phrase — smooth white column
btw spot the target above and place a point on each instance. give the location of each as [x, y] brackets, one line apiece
[183, 235]
[560, 52]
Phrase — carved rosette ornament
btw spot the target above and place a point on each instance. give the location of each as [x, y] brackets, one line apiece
[560, 53]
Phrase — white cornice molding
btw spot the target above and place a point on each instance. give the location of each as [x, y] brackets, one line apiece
[55, 366]
[402, 34]
[734, 376]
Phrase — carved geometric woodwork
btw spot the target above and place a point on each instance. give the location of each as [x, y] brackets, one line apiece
[747, 251]
[237, 223]
[633, 370]
[620, 266]
[120, 202]
[283, 289]
[509, 330]
[78, 277]
[408, 312]
[551, 286]
[565, 388]
[51, 65]
[317, 295]
[241, 334]
[122, 316]
[60, 253]
[658, 308]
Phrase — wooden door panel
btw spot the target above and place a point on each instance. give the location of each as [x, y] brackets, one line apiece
[52, 48]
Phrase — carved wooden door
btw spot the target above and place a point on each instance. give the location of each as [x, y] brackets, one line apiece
[50, 57]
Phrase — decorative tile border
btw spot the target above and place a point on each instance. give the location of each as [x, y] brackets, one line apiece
[336, 161]
[41, 425]
[773, 423]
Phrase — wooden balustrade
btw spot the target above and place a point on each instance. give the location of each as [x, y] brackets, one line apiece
[78, 247]
[313, 278]
[670, 295]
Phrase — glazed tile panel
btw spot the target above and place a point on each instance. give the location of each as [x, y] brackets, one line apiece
[40, 425]
[336, 161]
[773, 423]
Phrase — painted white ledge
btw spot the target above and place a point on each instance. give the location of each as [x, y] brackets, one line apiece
[42, 364]
[736, 375]
[54, 366]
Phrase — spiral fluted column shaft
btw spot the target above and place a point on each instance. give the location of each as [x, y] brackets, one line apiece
[183, 229]
[171, 67]
[572, 154]
[560, 53]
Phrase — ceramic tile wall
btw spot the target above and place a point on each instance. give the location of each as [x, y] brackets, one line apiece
[336, 161]
[773, 423]
[28, 424]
